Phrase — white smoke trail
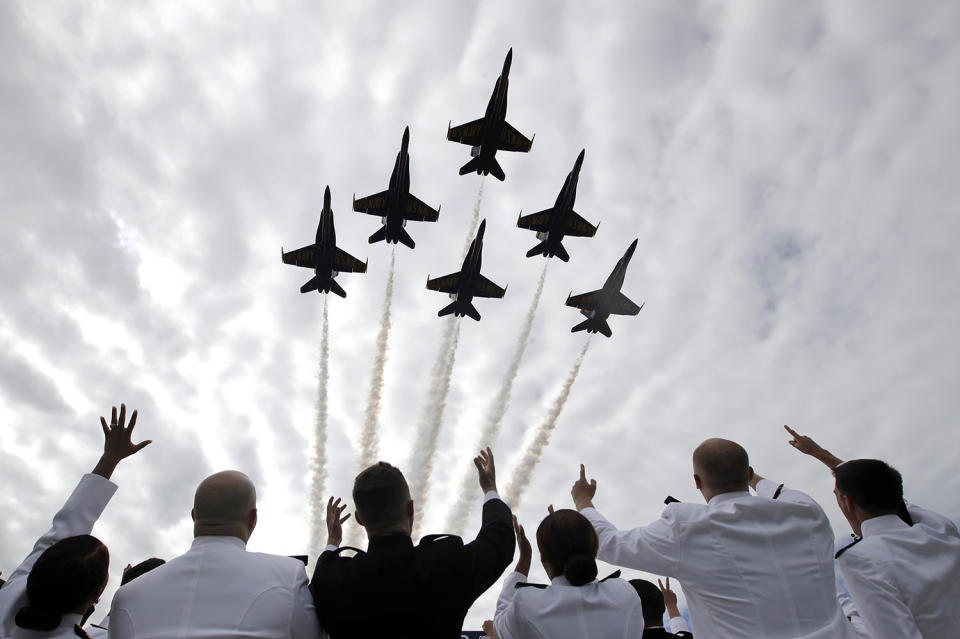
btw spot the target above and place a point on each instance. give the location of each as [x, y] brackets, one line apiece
[431, 420]
[318, 468]
[498, 408]
[541, 437]
[368, 437]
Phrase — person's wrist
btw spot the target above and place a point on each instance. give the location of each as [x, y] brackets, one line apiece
[673, 611]
[583, 503]
[488, 488]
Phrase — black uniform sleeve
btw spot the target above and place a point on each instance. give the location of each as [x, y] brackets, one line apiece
[485, 558]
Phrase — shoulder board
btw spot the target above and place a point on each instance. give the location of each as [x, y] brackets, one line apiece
[524, 584]
[856, 540]
[80, 632]
[776, 493]
[432, 538]
[613, 575]
[671, 500]
[356, 551]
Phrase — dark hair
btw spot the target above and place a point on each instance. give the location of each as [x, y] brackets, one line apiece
[872, 484]
[68, 574]
[568, 542]
[380, 494]
[651, 599]
[143, 567]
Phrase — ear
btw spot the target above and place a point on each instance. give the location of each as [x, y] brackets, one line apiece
[357, 518]
[698, 481]
[193, 514]
[409, 508]
[750, 474]
[252, 521]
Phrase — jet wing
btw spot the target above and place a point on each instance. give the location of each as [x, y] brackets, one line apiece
[483, 287]
[512, 140]
[469, 133]
[622, 305]
[588, 301]
[305, 256]
[417, 211]
[375, 204]
[343, 262]
[446, 284]
[578, 227]
[538, 222]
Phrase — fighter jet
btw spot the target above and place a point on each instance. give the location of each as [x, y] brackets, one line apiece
[597, 306]
[326, 260]
[466, 284]
[396, 205]
[491, 133]
[553, 224]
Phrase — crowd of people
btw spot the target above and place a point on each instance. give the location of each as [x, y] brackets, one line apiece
[750, 565]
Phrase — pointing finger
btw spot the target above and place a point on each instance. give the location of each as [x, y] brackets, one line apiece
[583, 473]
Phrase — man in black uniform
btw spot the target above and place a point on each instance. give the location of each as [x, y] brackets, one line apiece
[655, 602]
[399, 590]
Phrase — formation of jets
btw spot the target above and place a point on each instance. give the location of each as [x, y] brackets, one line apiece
[396, 206]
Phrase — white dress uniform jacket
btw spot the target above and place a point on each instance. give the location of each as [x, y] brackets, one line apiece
[597, 610]
[749, 566]
[76, 517]
[905, 580]
[217, 589]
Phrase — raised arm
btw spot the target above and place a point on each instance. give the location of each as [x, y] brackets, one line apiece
[88, 500]
[486, 557]
[807, 446]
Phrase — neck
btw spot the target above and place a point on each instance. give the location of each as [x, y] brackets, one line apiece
[226, 529]
[710, 493]
[386, 531]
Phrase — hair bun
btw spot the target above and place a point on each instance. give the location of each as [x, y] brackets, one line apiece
[31, 618]
[580, 569]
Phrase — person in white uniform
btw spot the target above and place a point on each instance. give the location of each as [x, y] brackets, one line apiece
[217, 588]
[903, 567]
[67, 570]
[575, 604]
[750, 566]
[101, 629]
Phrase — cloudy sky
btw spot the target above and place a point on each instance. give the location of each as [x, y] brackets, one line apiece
[789, 170]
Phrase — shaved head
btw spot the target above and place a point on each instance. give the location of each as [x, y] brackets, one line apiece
[225, 498]
[722, 465]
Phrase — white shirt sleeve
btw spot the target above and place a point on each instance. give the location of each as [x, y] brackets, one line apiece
[653, 548]
[76, 517]
[491, 494]
[767, 488]
[678, 624]
[879, 602]
[508, 621]
[303, 621]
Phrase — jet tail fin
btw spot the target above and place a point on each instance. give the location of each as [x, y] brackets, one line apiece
[312, 285]
[459, 308]
[582, 326]
[379, 236]
[471, 166]
[406, 239]
[336, 288]
[539, 249]
[481, 165]
[446, 310]
[562, 253]
[495, 170]
[593, 326]
[468, 309]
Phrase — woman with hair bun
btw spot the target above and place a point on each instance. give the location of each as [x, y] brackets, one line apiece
[575, 604]
[66, 572]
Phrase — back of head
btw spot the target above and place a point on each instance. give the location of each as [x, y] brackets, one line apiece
[568, 542]
[651, 599]
[223, 503]
[380, 495]
[722, 465]
[67, 577]
[873, 485]
[143, 567]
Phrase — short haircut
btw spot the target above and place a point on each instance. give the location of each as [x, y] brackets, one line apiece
[143, 567]
[651, 599]
[568, 542]
[380, 494]
[225, 496]
[722, 464]
[67, 575]
[873, 485]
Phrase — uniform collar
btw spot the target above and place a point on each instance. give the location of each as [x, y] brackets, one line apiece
[882, 524]
[560, 580]
[392, 540]
[722, 497]
[219, 540]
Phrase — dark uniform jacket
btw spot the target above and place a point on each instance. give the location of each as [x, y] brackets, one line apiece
[399, 590]
[663, 633]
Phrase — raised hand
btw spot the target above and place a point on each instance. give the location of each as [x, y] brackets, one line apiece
[486, 470]
[488, 629]
[523, 544]
[583, 491]
[807, 446]
[117, 442]
[669, 598]
[335, 521]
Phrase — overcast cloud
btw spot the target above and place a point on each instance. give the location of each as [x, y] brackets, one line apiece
[790, 170]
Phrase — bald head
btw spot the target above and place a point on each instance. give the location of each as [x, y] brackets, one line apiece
[225, 504]
[721, 465]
